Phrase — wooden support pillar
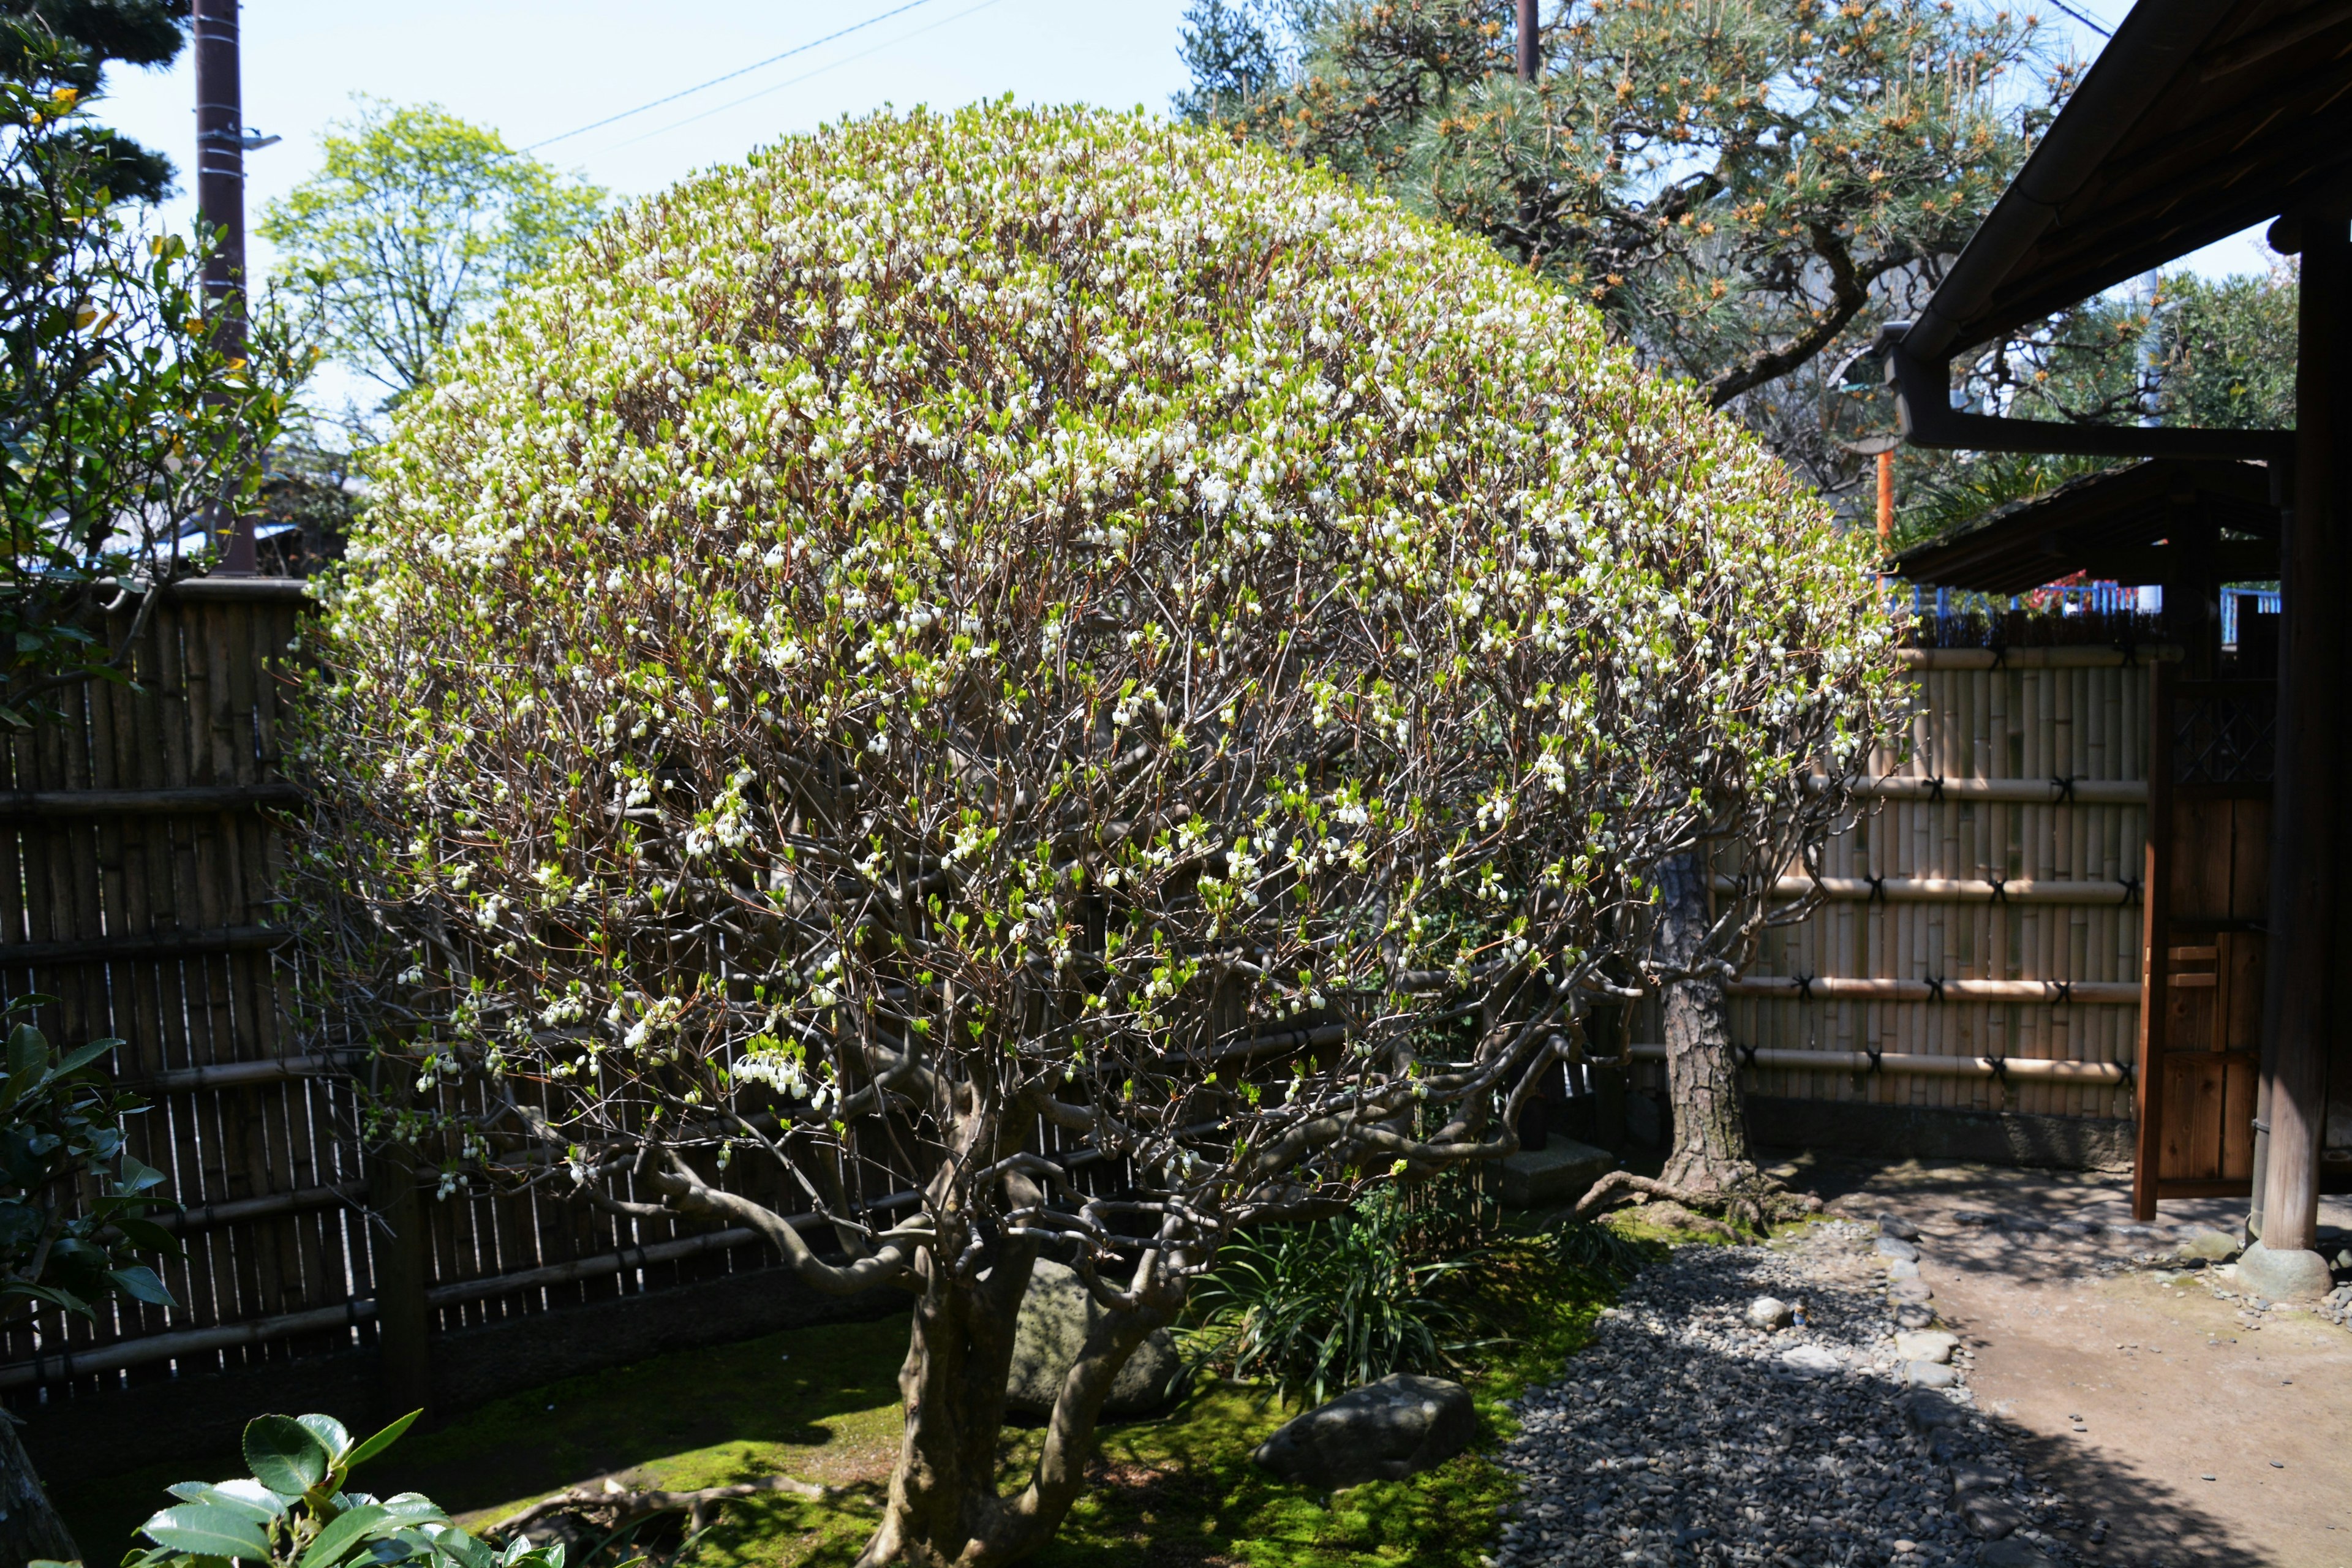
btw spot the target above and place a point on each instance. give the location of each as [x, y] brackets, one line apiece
[396, 1250]
[2302, 989]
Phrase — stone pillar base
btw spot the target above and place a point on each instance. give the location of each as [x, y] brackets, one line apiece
[2284, 1275]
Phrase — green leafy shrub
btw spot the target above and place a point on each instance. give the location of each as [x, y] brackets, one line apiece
[986, 620]
[293, 1512]
[61, 1126]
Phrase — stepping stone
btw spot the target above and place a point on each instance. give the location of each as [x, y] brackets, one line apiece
[1935, 1345]
[1560, 1173]
[1930, 1374]
[1911, 1290]
[1896, 1225]
[1990, 1518]
[1811, 1361]
[1895, 1247]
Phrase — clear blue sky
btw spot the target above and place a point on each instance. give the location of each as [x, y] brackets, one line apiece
[535, 69]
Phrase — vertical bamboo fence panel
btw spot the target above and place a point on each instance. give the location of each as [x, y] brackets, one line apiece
[140, 873]
[1979, 945]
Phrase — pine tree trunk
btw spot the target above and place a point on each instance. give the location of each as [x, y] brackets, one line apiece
[1710, 1150]
[29, 1527]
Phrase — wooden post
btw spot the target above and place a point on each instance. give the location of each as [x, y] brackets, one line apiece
[396, 1247]
[2303, 899]
[2155, 913]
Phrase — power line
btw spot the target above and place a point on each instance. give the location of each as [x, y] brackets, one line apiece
[805, 76]
[730, 76]
[2103, 32]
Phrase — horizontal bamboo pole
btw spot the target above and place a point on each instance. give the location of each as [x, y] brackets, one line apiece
[1842, 987]
[2034, 1069]
[230, 1075]
[2031, 792]
[1947, 890]
[270, 1205]
[131, 949]
[18, 802]
[260, 1330]
[2085, 655]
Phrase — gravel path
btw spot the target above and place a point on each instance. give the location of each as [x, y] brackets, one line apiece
[1687, 1434]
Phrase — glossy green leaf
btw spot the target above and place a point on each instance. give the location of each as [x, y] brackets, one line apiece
[208, 1529]
[140, 1283]
[382, 1440]
[284, 1455]
[347, 1531]
[332, 1434]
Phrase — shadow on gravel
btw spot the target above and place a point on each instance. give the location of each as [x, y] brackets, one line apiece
[1683, 1434]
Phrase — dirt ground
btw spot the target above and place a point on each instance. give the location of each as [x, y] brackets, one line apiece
[2201, 1431]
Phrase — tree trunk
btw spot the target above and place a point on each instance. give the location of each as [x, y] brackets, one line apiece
[29, 1527]
[1710, 1152]
[945, 1510]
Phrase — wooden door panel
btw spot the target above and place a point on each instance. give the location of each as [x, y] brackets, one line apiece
[2192, 1116]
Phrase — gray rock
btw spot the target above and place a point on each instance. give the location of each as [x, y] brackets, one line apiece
[1930, 1374]
[1925, 1412]
[1560, 1173]
[1936, 1346]
[1913, 1315]
[1811, 1361]
[1385, 1431]
[1902, 1269]
[2212, 1246]
[1989, 1517]
[2295, 1275]
[1896, 1225]
[1056, 1316]
[2011, 1553]
[1911, 1290]
[1895, 1247]
[1770, 1312]
[1967, 1478]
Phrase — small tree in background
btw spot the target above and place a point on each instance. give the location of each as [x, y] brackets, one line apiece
[415, 226]
[1086, 673]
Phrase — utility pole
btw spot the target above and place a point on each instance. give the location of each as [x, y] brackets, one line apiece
[220, 207]
[1528, 60]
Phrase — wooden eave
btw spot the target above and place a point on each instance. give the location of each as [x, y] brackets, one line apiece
[2132, 523]
[2199, 119]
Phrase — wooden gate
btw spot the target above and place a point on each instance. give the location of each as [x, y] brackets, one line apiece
[2209, 891]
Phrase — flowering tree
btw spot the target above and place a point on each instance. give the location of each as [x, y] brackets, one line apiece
[1064, 666]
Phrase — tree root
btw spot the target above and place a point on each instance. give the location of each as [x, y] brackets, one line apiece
[1740, 1196]
[613, 1505]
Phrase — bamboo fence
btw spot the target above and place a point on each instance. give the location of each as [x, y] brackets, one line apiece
[1975, 945]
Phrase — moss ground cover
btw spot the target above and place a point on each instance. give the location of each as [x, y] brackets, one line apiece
[823, 1404]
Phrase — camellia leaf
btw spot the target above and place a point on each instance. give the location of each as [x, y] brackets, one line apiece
[382, 1440]
[84, 1055]
[141, 1284]
[346, 1532]
[208, 1529]
[284, 1454]
[246, 1493]
[414, 1508]
[330, 1433]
